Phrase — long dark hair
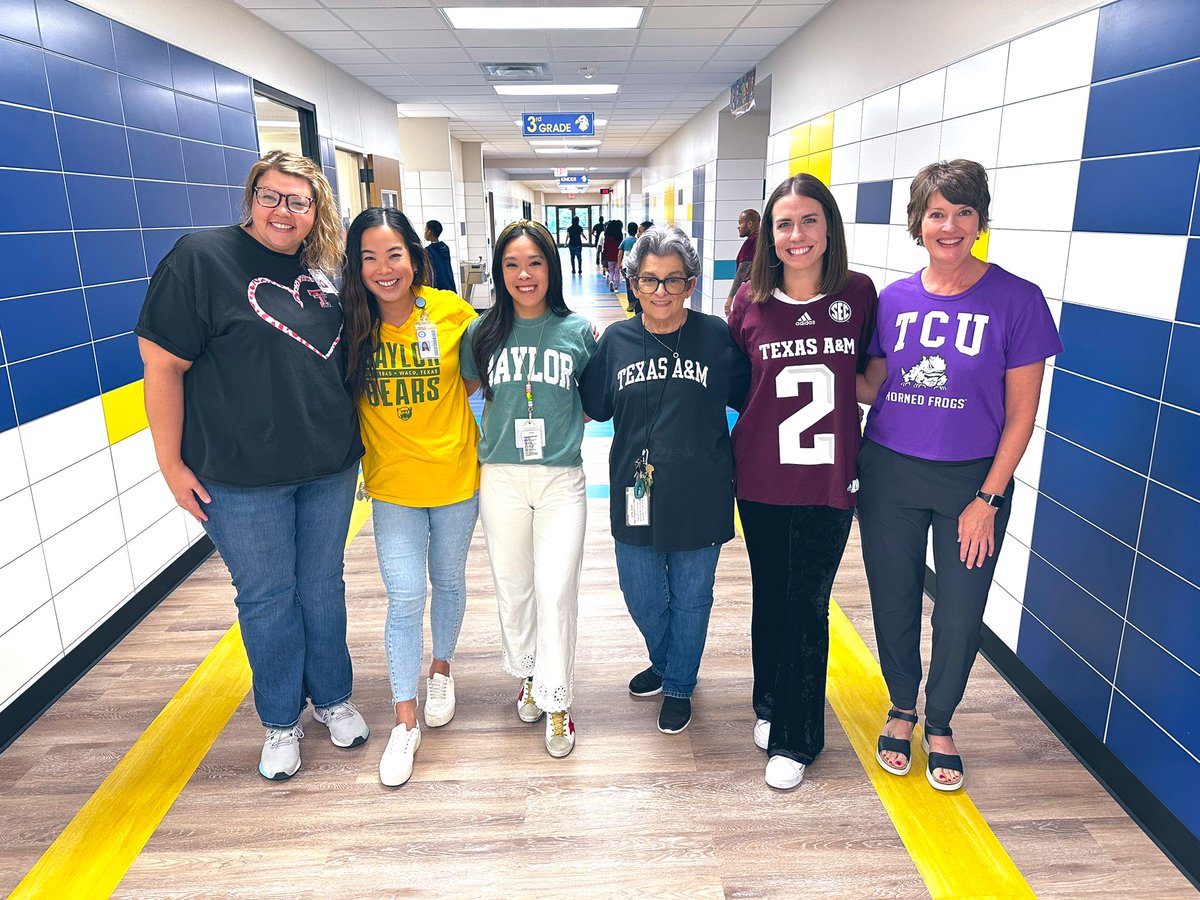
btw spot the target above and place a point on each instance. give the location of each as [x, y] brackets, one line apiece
[360, 309]
[496, 324]
[614, 229]
[766, 273]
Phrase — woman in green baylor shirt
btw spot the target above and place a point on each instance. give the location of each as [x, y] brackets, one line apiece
[528, 351]
[256, 436]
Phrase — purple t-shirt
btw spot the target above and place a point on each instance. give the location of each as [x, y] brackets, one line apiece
[796, 441]
[943, 398]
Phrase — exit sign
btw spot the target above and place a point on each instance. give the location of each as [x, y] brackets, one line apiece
[606, 190]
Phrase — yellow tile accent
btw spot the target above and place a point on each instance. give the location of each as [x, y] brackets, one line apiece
[797, 164]
[92, 854]
[949, 841]
[821, 164]
[821, 134]
[669, 203]
[799, 141]
[689, 218]
[980, 249]
[124, 411]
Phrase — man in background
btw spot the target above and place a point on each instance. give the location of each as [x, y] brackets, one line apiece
[439, 256]
[748, 228]
[575, 245]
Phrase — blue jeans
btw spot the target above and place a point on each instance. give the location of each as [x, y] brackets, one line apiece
[669, 596]
[284, 547]
[408, 539]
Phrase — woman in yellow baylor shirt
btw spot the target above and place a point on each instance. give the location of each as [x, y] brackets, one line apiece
[421, 465]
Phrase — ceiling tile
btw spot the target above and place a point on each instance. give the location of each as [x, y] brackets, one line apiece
[341, 57]
[792, 14]
[673, 37]
[414, 58]
[301, 19]
[387, 19]
[683, 53]
[278, 4]
[398, 40]
[761, 36]
[725, 15]
[328, 40]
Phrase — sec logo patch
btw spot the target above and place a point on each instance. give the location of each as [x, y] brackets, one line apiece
[839, 311]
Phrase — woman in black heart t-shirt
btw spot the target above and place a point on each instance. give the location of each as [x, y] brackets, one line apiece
[257, 437]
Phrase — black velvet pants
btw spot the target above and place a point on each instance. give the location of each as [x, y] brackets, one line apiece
[794, 555]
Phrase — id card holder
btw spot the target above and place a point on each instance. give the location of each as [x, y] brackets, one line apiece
[323, 281]
[637, 509]
[427, 342]
[531, 438]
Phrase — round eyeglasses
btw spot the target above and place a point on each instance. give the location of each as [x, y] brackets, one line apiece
[674, 285]
[295, 203]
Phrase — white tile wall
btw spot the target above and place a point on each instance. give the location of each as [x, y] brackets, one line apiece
[24, 586]
[67, 496]
[1038, 197]
[161, 541]
[1037, 256]
[1003, 615]
[87, 602]
[77, 549]
[1131, 273]
[921, 100]
[56, 441]
[28, 649]
[13, 475]
[975, 136]
[880, 114]
[976, 83]
[1047, 129]
[1053, 59]
[18, 526]
[847, 124]
[917, 148]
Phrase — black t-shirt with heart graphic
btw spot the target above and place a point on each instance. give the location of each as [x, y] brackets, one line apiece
[265, 401]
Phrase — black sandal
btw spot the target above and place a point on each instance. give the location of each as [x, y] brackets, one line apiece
[947, 761]
[896, 745]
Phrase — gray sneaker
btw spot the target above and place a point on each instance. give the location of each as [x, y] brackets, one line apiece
[347, 728]
[527, 709]
[281, 753]
[560, 734]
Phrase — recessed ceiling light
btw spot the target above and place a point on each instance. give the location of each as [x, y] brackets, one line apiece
[550, 90]
[566, 18]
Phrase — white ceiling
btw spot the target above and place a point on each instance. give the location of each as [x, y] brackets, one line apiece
[683, 54]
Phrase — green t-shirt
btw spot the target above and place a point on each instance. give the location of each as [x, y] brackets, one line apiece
[550, 352]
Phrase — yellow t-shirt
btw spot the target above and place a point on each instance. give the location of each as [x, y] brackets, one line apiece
[417, 426]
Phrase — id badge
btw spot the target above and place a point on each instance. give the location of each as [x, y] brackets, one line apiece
[323, 281]
[427, 341]
[531, 438]
[637, 509]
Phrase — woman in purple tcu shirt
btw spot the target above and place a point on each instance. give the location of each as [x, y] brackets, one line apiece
[953, 382]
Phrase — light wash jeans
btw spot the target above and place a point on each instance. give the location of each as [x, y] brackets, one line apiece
[410, 540]
[283, 546]
[669, 596]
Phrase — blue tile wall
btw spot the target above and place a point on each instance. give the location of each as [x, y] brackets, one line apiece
[1149, 194]
[1160, 763]
[1115, 348]
[1077, 685]
[20, 21]
[1161, 686]
[35, 201]
[29, 141]
[874, 202]
[1176, 451]
[23, 75]
[1167, 609]
[1157, 110]
[1114, 423]
[98, 202]
[118, 361]
[53, 382]
[141, 55]
[93, 148]
[1182, 386]
[83, 90]
[157, 156]
[1096, 561]
[33, 326]
[192, 74]
[1093, 487]
[204, 163]
[113, 308]
[1081, 621]
[106, 256]
[198, 119]
[8, 412]
[1135, 35]
[47, 263]
[76, 32]
[1169, 528]
[1189, 288]
[148, 106]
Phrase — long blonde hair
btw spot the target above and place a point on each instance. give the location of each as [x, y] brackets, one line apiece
[322, 249]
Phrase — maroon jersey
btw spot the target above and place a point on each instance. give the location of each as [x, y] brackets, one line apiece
[797, 440]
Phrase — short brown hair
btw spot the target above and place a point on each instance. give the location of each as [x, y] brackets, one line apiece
[961, 181]
[322, 249]
[766, 273]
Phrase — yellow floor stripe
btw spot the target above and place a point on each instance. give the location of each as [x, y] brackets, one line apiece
[93, 853]
[948, 839]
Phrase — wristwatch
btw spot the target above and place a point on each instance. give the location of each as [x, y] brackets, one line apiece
[993, 500]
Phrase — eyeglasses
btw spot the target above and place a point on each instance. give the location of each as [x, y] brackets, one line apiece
[674, 285]
[294, 202]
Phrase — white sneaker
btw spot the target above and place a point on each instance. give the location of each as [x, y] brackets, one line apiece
[527, 709]
[560, 734]
[396, 765]
[347, 728]
[762, 733]
[784, 773]
[439, 700]
[281, 753]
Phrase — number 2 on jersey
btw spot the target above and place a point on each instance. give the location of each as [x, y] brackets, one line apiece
[787, 384]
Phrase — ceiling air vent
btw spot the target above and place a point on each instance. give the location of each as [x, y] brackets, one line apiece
[517, 71]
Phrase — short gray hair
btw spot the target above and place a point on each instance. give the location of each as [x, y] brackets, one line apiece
[663, 240]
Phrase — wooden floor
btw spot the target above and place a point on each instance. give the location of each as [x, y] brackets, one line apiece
[631, 813]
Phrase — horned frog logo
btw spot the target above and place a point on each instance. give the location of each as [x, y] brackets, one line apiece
[930, 372]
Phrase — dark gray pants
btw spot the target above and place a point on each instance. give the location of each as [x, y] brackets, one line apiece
[899, 500]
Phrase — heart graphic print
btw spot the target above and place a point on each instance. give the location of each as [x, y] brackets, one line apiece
[302, 312]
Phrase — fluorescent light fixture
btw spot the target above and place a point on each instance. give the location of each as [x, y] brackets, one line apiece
[566, 18]
[554, 90]
[559, 151]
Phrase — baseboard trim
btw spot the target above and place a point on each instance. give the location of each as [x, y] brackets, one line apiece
[58, 679]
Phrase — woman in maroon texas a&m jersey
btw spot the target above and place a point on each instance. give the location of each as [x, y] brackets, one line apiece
[805, 321]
